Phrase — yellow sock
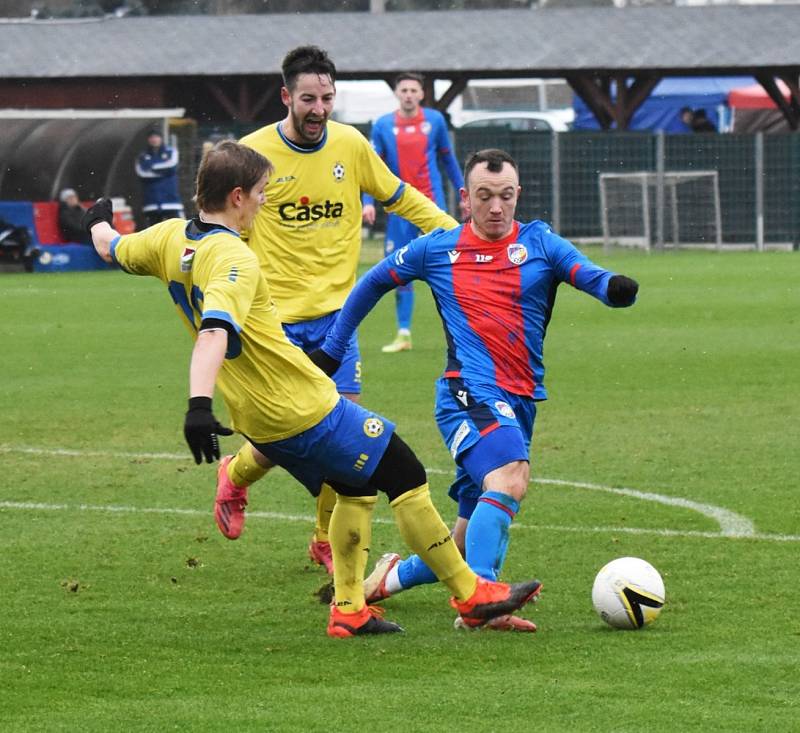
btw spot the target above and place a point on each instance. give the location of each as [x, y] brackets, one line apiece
[350, 536]
[325, 503]
[243, 469]
[426, 534]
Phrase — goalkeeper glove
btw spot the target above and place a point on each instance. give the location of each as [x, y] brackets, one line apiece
[621, 290]
[327, 363]
[200, 428]
[100, 210]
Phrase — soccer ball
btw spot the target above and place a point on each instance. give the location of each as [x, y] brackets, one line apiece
[628, 593]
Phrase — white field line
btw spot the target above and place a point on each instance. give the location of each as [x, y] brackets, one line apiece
[731, 524]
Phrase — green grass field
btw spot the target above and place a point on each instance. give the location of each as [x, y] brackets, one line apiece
[671, 434]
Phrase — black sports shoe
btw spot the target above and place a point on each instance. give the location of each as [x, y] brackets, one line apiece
[492, 599]
[367, 621]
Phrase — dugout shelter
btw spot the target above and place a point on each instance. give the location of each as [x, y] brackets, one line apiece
[227, 68]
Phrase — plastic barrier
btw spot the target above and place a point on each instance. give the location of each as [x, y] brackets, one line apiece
[58, 255]
[68, 257]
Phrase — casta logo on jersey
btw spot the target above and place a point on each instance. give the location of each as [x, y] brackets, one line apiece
[304, 210]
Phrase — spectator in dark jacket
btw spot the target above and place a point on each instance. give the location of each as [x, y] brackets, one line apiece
[701, 123]
[157, 167]
[70, 214]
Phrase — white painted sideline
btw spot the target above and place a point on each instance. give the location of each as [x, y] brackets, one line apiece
[731, 525]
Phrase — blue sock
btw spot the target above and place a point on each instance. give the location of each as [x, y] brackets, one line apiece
[413, 571]
[405, 305]
[487, 533]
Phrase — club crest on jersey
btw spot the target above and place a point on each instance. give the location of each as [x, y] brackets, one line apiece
[373, 427]
[517, 253]
[186, 259]
[338, 172]
[504, 409]
[425, 128]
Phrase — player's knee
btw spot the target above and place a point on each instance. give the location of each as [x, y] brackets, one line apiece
[519, 491]
[399, 470]
[511, 479]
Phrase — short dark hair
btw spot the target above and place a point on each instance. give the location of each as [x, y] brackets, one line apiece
[409, 75]
[226, 166]
[494, 159]
[306, 60]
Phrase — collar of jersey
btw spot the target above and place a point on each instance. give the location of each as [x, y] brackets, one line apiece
[474, 239]
[417, 118]
[299, 148]
[197, 229]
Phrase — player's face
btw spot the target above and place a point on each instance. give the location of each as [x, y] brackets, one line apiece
[409, 93]
[490, 199]
[310, 104]
[253, 201]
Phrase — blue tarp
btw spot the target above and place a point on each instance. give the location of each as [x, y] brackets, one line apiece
[661, 110]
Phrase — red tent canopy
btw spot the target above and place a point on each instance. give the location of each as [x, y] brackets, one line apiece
[754, 97]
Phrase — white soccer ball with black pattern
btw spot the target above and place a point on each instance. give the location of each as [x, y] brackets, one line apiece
[628, 593]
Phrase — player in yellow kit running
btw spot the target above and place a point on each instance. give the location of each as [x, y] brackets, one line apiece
[278, 399]
[308, 239]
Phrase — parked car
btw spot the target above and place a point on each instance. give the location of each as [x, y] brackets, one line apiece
[520, 121]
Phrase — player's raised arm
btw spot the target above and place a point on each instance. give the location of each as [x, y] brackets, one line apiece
[575, 268]
[97, 222]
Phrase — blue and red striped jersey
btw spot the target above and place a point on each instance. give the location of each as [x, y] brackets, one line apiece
[494, 298]
[412, 148]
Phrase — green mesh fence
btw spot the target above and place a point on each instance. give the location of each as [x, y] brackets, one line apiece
[582, 156]
[559, 174]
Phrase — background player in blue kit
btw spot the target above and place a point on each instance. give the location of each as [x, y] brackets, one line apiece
[494, 281]
[412, 140]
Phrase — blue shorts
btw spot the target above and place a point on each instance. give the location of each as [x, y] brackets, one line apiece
[346, 446]
[310, 335]
[399, 232]
[484, 427]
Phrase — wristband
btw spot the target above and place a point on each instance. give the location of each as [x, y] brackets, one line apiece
[200, 403]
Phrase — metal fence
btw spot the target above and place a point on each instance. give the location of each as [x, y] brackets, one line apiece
[758, 177]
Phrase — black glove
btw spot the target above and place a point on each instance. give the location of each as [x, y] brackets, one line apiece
[100, 210]
[200, 428]
[622, 290]
[327, 363]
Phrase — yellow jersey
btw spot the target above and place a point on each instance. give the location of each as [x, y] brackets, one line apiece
[307, 236]
[271, 389]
